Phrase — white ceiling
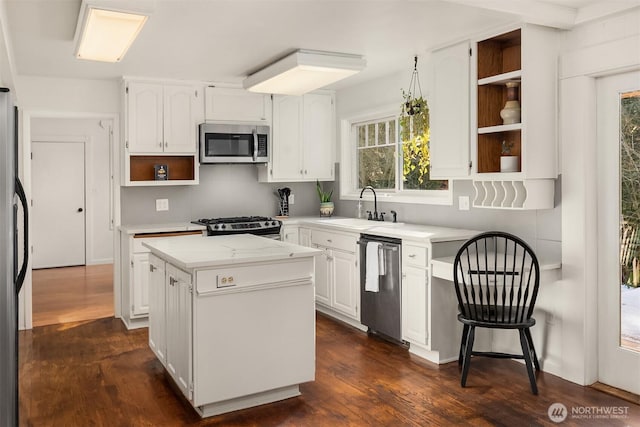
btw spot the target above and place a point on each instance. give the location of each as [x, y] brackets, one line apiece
[225, 40]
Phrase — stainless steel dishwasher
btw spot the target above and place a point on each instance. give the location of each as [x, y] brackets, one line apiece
[381, 310]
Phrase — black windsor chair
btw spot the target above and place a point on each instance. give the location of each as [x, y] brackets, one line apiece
[496, 276]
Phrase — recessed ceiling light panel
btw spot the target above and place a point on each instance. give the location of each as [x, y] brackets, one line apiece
[304, 71]
[104, 34]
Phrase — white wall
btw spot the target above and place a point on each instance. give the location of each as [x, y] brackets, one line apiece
[65, 96]
[541, 229]
[96, 133]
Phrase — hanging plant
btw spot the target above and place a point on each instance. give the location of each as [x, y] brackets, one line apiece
[414, 133]
[413, 104]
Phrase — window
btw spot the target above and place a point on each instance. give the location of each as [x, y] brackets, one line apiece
[391, 154]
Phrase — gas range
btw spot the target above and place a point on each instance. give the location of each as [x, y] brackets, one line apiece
[259, 225]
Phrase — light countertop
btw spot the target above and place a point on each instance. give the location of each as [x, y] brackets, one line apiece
[405, 231]
[189, 252]
[160, 228]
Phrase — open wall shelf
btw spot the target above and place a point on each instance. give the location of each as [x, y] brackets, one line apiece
[179, 168]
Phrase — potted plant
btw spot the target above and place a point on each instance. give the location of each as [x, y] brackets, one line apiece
[508, 162]
[326, 205]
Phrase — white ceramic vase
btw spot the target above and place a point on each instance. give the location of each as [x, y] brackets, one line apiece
[511, 112]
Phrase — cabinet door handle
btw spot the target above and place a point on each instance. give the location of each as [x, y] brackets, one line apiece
[412, 255]
[300, 171]
[152, 268]
[166, 144]
[305, 171]
[160, 144]
[329, 241]
[172, 281]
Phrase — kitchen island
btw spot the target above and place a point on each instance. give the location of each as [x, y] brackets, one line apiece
[232, 318]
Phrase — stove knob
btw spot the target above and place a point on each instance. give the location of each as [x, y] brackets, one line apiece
[223, 226]
[215, 227]
[274, 223]
[266, 223]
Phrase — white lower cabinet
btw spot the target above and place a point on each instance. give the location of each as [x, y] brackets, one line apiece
[289, 233]
[337, 273]
[345, 284]
[323, 274]
[415, 286]
[414, 295]
[304, 237]
[135, 275]
[170, 338]
[179, 290]
[140, 292]
[157, 307]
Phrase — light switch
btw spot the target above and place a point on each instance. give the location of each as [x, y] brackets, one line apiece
[463, 203]
[162, 205]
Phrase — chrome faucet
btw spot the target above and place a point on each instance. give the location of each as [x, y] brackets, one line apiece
[375, 205]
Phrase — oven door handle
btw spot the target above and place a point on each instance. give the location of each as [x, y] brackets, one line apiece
[255, 144]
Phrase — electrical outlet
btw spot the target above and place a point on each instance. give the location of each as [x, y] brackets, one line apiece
[463, 203]
[162, 205]
[292, 199]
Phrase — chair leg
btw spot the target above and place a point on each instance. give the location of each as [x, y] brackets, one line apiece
[533, 349]
[465, 332]
[526, 351]
[467, 355]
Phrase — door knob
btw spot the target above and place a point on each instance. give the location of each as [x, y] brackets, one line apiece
[80, 209]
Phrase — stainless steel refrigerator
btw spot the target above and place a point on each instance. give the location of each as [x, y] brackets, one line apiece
[11, 275]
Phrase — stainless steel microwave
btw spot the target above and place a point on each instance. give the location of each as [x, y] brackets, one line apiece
[234, 143]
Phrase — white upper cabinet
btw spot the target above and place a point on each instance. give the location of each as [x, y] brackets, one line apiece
[449, 112]
[286, 142]
[162, 118]
[181, 113]
[515, 161]
[144, 117]
[510, 153]
[303, 138]
[236, 104]
[161, 129]
[318, 137]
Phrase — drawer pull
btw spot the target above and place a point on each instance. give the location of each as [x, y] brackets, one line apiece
[329, 241]
[412, 255]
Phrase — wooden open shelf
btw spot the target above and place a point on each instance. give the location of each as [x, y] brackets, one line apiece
[179, 168]
[499, 55]
[491, 99]
[499, 61]
[490, 150]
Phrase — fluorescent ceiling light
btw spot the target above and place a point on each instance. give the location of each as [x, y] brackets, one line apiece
[105, 34]
[304, 71]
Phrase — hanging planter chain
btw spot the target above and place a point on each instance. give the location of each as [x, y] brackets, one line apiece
[413, 105]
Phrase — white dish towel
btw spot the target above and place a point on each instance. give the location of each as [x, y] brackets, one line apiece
[372, 271]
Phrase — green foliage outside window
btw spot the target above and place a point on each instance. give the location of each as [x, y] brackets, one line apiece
[414, 134]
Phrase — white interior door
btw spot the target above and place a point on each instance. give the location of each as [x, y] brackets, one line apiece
[619, 231]
[58, 212]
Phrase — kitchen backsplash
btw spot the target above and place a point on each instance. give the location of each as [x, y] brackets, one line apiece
[224, 190]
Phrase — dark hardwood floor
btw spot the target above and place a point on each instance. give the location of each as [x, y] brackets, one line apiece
[96, 373]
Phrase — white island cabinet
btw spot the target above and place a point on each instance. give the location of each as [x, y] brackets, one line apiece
[232, 318]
